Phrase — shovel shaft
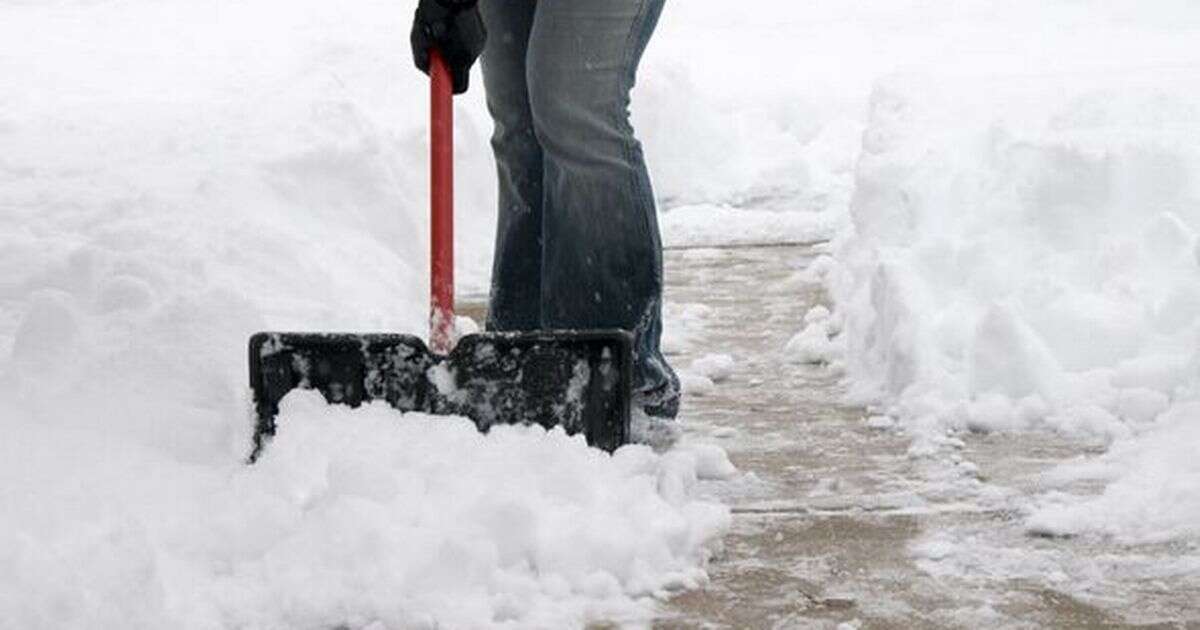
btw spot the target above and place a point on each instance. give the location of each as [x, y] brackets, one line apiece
[441, 249]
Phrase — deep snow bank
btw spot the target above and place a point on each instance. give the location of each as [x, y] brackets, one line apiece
[1023, 255]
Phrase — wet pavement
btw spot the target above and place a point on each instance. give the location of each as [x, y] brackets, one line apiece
[835, 523]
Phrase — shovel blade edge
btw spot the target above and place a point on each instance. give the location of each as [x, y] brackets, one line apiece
[579, 380]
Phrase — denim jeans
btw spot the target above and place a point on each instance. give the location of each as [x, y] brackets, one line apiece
[577, 243]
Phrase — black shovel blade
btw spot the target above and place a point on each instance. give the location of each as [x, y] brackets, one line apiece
[579, 380]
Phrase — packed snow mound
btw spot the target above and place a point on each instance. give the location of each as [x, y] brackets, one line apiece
[1029, 254]
[717, 367]
[351, 517]
[1033, 264]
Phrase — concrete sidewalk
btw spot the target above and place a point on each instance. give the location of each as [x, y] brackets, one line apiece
[835, 522]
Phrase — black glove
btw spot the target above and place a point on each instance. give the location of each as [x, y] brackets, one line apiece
[453, 27]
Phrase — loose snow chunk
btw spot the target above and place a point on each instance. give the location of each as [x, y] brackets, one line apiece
[818, 313]
[716, 367]
[818, 342]
[691, 462]
[695, 384]
[813, 345]
[464, 325]
[442, 377]
[712, 462]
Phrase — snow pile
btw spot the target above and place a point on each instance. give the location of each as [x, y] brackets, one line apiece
[818, 342]
[1032, 264]
[351, 517]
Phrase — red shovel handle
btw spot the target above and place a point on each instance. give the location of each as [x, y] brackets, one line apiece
[441, 320]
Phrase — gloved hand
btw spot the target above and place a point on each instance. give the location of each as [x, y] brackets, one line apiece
[454, 28]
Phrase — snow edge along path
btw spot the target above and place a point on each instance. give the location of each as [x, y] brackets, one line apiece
[1032, 267]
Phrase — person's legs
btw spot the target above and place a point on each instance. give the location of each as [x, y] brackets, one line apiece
[602, 254]
[515, 297]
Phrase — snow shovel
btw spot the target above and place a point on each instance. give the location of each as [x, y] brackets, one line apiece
[580, 380]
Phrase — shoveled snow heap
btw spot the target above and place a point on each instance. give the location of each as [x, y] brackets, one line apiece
[1034, 266]
[351, 517]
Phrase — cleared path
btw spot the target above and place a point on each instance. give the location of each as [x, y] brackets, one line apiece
[836, 523]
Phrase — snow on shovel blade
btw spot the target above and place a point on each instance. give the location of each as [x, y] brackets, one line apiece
[580, 380]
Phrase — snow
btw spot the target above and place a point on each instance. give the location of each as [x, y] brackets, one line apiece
[682, 323]
[818, 343]
[708, 226]
[1151, 495]
[702, 376]
[351, 516]
[880, 423]
[1022, 257]
[695, 384]
[714, 366]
